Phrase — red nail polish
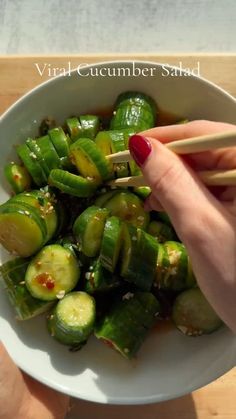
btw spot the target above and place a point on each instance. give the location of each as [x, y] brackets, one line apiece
[140, 148]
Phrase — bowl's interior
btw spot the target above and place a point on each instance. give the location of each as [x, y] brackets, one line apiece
[169, 364]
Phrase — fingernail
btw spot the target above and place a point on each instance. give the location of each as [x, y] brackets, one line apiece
[140, 148]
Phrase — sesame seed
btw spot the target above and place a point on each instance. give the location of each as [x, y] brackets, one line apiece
[33, 155]
[127, 296]
[126, 350]
[61, 294]
[22, 282]
[27, 213]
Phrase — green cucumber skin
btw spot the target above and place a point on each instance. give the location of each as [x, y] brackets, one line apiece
[30, 162]
[162, 232]
[111, 243]
[138, 98]
[34, 148]
[59, 141]
[103, 198]
[18, 177]
[68, 335]
[72, 184]
[173, 270]
[22, 208]
[142, 191]
[94, 154]
[129, 207]
[127, 324]
[44, 206]
[134, 110]
[83, 228]
[98, 279]
[139, 257]
[25, 306]
[90, 125]
[49, 153]
[84, 126]
[193, 315]
[60, 265]
[119, 140]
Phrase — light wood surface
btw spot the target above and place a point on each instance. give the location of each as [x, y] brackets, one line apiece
[217, 400]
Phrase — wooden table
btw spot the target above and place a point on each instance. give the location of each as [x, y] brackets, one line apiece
[20, 74]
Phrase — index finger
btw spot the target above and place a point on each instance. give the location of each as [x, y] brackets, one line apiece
[221, 158]
[191, 129]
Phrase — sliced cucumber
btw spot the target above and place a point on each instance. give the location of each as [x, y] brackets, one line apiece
[89, 160]
[134, 110]
[138, 259]
[72, 184]
[129, 208]
[49, 153]
[99, 279]
[84, 126]
[59, 141]
[142, 191]
[34, 148]
[18, 177]
[162, 232]
[103, 142]
[72, 320]
[25, 306]
[22, 230]
[52, 273]
[73, 128]
[103, 198]
[90, 125]
[126, 326]
[30, 161]
[111, 243]
[45, 205]
[173, 267]
[116, 141]
[88, 229]
[193, 315]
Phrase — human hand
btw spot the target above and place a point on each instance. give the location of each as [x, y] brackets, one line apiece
[21, 397]
[204, 218]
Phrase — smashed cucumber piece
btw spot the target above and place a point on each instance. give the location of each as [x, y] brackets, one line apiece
[89, 160]
[127, 324]
[25, 306]
[111, 243]
[129, 208]
[88, 229]
[72, 320]
[193, 315]
[52, 273]
[18, 177]
[174, 271]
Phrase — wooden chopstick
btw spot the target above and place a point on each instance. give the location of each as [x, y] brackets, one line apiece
[213, 178]
[188, 145]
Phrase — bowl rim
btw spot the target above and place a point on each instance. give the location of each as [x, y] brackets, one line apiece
[50, 382]
[101, 63]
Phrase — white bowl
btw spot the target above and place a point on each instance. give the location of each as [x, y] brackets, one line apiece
[169, 364]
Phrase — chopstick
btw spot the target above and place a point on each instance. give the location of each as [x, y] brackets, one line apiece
[188, 145]
[210, 178]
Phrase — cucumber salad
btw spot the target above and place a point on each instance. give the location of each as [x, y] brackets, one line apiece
[87, 255]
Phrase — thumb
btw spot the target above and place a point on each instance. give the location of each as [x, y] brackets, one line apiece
[174, 184]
